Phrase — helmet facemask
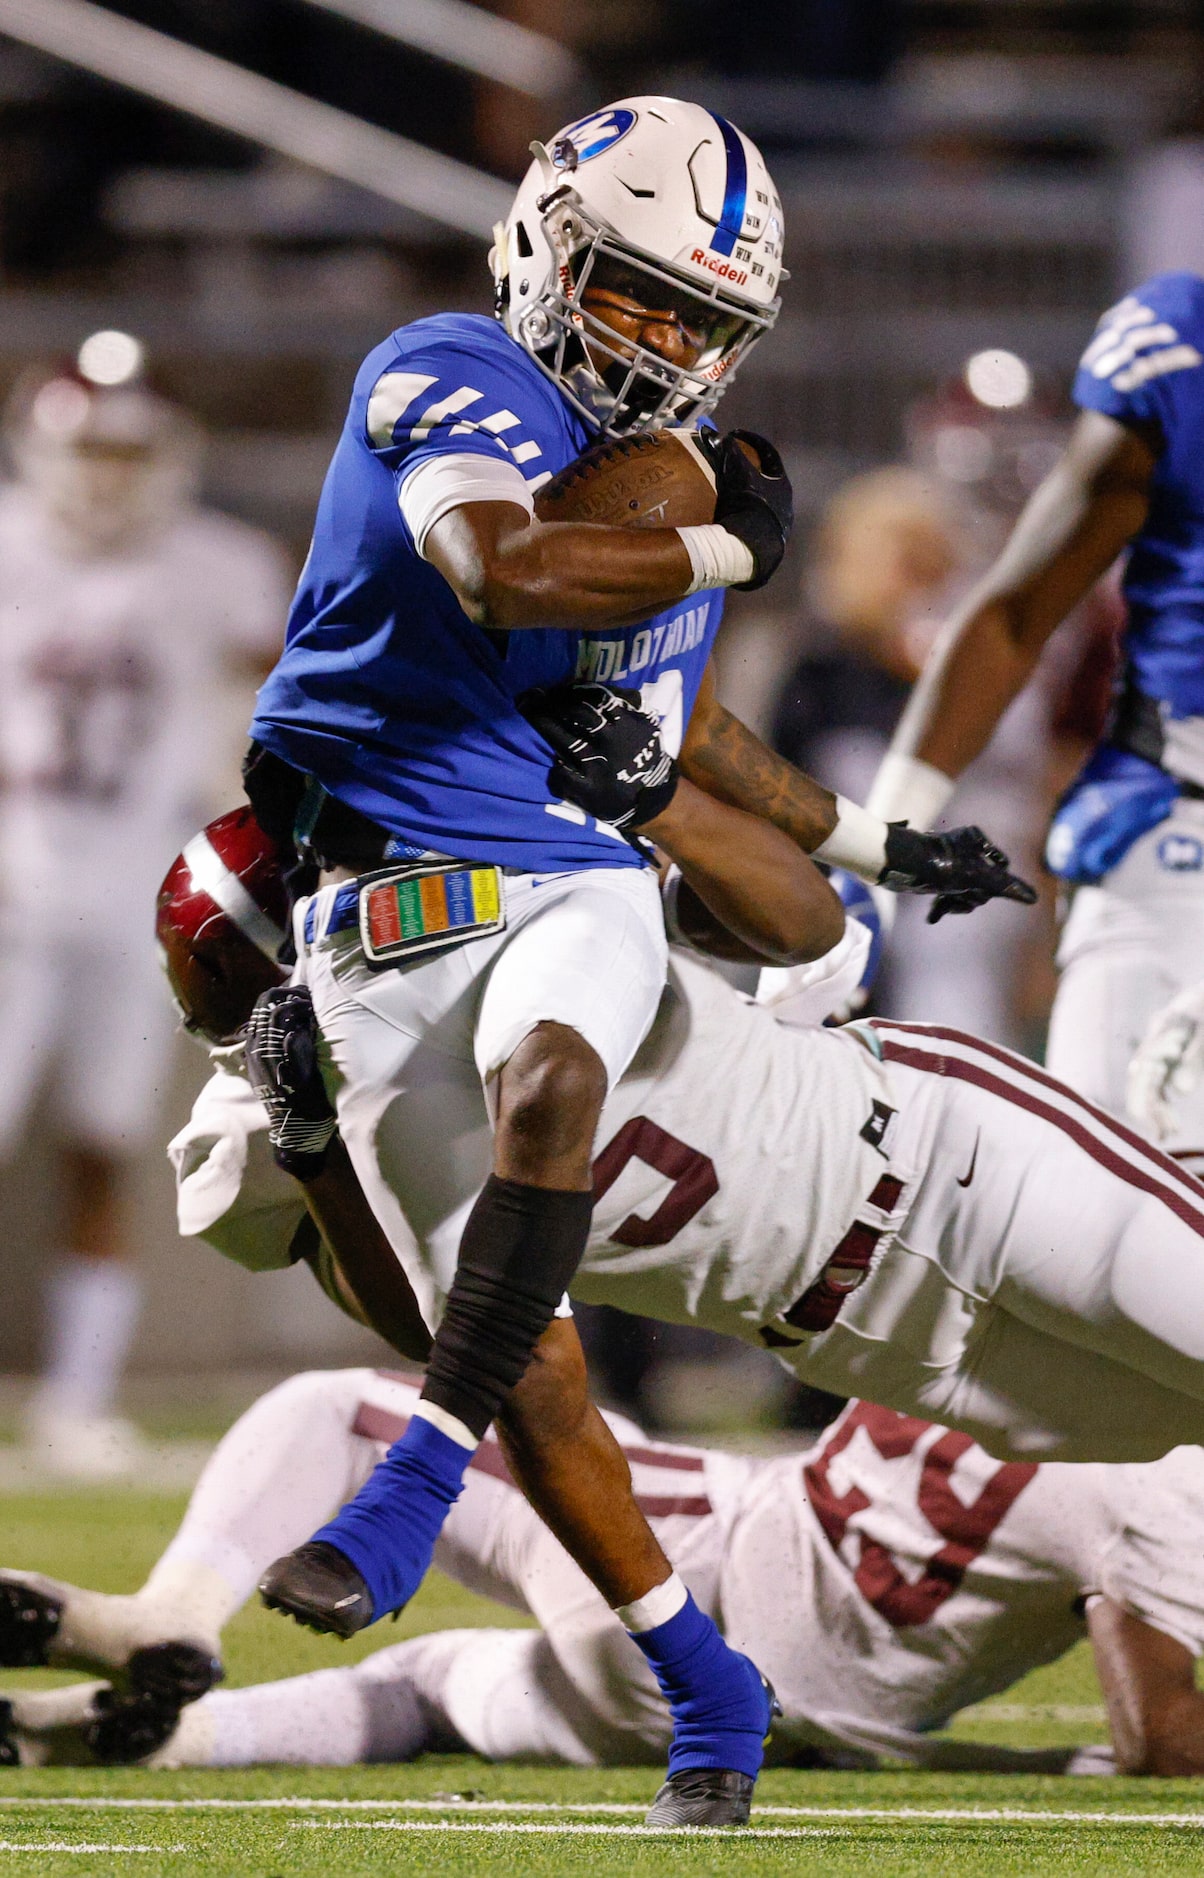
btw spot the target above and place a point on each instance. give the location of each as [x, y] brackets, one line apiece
[618, 384]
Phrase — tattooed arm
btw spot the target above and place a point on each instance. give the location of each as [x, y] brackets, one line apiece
[723, 757]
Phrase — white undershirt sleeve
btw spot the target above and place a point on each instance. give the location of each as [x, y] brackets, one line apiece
[442, 483]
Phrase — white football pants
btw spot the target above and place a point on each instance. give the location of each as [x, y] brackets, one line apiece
[1128, 946]
[414, 1047]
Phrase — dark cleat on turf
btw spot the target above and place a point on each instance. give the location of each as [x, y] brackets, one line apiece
[10, 1753]
[128, 1728]
[703, 1796]
[320, 1588]
[173, 1673]
[29, 1622]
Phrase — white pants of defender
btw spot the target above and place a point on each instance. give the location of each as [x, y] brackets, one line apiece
[414, 1047]
[1128, 946]
[1044, 1287]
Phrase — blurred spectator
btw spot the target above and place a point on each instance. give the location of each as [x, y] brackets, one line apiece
[125, 613]
[884, 552]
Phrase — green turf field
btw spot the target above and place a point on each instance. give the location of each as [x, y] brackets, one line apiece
[459, 1817]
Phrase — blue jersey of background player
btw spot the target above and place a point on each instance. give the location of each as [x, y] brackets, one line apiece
[402, 705]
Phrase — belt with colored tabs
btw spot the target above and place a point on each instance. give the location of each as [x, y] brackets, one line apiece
[844, 1270]
[405, 910]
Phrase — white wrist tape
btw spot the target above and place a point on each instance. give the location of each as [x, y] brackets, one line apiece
[718, 559]
[857, 842]
[447, 1424]
[907, 790]
[656, 1607]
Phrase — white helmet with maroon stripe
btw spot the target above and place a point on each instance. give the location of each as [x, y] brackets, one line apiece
[661, 201]
[221, 918]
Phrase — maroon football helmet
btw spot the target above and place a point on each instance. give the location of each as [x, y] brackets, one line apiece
[221, 917]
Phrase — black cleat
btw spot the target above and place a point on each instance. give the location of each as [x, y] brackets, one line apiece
[29, 1622]
[128, 1728]
[10, 1753]
[703, 1796]
[173, 1673]
[320, 1588]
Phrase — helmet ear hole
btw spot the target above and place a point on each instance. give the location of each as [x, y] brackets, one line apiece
[522, 241]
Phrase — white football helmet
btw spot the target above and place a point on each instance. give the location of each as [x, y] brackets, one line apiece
[110, 465]
[648, 196]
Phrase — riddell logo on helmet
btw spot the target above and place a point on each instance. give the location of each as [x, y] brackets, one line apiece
[723, 268]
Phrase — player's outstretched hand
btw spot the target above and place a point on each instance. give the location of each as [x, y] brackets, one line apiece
[1168, 1063]
[962, 869]
[610, 760]
[753, 499]
[282, 1063]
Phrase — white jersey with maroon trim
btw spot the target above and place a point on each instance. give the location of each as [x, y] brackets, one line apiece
[949, 1231]
[115, 706]
[898, 1573]
[735, 1154]
[884, 1580]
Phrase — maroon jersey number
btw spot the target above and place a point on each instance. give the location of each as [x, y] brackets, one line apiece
[965, 1529]
[693, 1175]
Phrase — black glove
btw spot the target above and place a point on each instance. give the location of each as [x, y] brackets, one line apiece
[755, 505]
[282, 1064]
[609, 757]
[961, 868]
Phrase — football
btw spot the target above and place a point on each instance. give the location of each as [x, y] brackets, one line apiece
[660, 479]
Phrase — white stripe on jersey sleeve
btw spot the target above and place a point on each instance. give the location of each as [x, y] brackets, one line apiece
[1170, 359]
[443, 407]
[392, 394]
[1113, 325]
[1133, 345]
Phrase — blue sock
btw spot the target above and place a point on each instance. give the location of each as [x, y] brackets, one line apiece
[389, 1530]
[720, 1709]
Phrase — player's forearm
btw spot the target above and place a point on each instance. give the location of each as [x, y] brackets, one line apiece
[571, 574]
[968, 684]
[730, 763]
[1071, 531]
[754, 880]
[366, 1261]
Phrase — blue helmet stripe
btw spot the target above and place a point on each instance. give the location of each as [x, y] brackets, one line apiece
[735, 194]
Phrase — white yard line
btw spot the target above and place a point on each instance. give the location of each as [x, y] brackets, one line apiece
[80, 1845]
[1011, 1814]
[564, 1829]
[1075, 1712]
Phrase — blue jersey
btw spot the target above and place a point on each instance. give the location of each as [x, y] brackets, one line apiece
[1146, 365]
[386, 692]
